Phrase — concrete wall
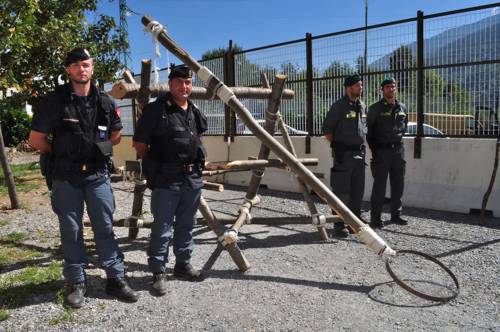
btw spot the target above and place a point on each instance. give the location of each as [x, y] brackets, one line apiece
[452, 175]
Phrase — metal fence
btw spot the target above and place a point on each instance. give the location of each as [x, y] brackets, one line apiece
[447, 66]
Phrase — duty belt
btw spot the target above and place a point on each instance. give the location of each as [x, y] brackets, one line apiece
[356, 147]
[179, 168]
[389, 145]
[80, 166]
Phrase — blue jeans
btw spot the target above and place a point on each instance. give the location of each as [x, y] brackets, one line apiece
[167, 205]
[68, 202]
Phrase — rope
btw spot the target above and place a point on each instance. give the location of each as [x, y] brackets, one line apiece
[156, 28]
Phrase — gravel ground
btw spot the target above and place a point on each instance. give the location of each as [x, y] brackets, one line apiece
[296, 282]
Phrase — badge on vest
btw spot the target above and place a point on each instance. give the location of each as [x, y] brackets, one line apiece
[350, 115]
[102, 131]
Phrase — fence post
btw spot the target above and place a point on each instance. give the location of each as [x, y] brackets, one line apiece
[229, 79]
[417, 151]
[309, 92]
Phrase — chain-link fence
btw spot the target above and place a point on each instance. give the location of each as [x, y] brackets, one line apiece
[447, 66]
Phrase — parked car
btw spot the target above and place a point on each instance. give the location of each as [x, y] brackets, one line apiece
[241, 129]
[428, 130]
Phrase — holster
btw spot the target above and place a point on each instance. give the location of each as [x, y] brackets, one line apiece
[105, 148]
[47, 168]
[150, 171]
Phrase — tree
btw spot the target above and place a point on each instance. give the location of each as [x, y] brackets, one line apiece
[400, 61]
[35, 36]
[219, 52]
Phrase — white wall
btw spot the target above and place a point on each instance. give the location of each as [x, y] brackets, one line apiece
[452, 175]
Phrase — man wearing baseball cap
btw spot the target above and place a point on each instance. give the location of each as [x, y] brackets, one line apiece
[387, 123]
[345, 128]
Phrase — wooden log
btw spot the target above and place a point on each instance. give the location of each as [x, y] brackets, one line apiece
[244, 213]
[143, 93]
[232, 248]
[300, 220]
[302, 186]
[139, 189]
[7, 173]
[264, 81]
[123, 90]
[365, 233]
[213, 186]
[253, 164]
[126, 222]
[136, 113]
[257, 174]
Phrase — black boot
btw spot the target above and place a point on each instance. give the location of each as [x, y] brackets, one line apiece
[339, 230]
[187, 271]
[376, 222]
[119, 288]
[75, 294]
[160, 283]
[398, 220]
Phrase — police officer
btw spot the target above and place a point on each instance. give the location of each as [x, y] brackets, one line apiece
[345, 128]
[168, 138]
[78, 125]
[387, 123]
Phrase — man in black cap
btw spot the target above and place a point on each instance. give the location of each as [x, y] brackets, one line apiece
[168, 138]
[387, 123]
[83, 124]
[345, 128]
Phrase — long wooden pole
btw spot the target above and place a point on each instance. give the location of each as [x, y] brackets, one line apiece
[131, 90]
[142, 101]
[232, 247]
[257, 174]
[364, 232]
[303, 187]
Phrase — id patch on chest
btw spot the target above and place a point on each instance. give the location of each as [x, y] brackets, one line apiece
[350, 115]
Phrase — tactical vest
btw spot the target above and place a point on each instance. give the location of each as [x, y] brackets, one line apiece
[177, 136]
[77, 130]
[390, 123]
[351, 127]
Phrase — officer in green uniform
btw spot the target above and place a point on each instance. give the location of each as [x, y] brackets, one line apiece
[168, 138]
[345, 128]
[84, 124]
[387, 123]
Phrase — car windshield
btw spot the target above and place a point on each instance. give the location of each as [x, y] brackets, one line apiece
[428, 130]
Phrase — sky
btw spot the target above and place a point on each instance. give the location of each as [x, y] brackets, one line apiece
[202, 25]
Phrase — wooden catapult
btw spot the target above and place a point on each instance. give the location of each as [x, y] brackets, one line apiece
[228, 237]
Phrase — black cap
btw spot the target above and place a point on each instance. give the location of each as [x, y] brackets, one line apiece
[352, 79]
[75, 55]
[388, 80]
[182, 71]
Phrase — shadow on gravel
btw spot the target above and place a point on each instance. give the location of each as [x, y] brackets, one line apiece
[471, 245]
[389, 293]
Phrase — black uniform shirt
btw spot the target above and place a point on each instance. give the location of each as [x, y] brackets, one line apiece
[346, 121]
[386, 123]
[150, 125]
[46, 117]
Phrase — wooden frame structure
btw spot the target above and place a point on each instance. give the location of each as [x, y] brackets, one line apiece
[227, 237]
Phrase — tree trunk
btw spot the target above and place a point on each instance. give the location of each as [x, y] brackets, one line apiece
[9, 178]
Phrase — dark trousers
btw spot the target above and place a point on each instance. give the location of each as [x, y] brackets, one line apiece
[174, 213]
[387, 162]
[347, 179]
[68, 203]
